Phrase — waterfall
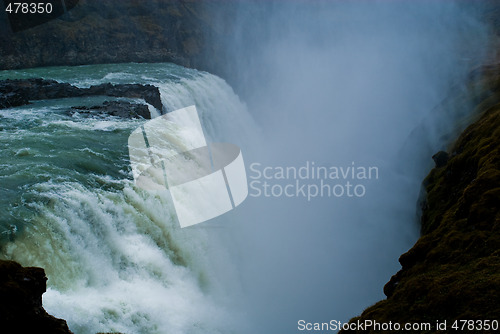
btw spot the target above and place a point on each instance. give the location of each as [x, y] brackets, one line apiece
[116, 258]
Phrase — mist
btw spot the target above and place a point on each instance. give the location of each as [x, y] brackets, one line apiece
[340, 84]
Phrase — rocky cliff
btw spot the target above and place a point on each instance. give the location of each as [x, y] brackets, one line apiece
[116, 31]
[21, 310]
[453, 271]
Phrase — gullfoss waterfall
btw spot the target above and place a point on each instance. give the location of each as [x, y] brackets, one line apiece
[115, 256]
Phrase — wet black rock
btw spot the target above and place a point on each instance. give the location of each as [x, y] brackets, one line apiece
[21, 309]
[11, 99]
[149, 93]
[440, 159]
[116, 108]
[20, 91]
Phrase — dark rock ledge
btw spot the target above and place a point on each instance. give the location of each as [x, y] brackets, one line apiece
[115, 108]
[19, 92]
[453, 271]
[21, 310]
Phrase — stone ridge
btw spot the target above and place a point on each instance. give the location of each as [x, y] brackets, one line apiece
[19, 92]
[453, 271]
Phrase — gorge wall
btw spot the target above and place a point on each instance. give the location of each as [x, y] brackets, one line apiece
[118, 31]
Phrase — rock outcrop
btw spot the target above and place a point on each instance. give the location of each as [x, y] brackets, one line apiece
[453, 271]
[21, 310]
[115, 108]
[19, 92]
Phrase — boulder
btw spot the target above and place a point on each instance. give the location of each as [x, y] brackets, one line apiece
[117, 108]
[21, 309]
